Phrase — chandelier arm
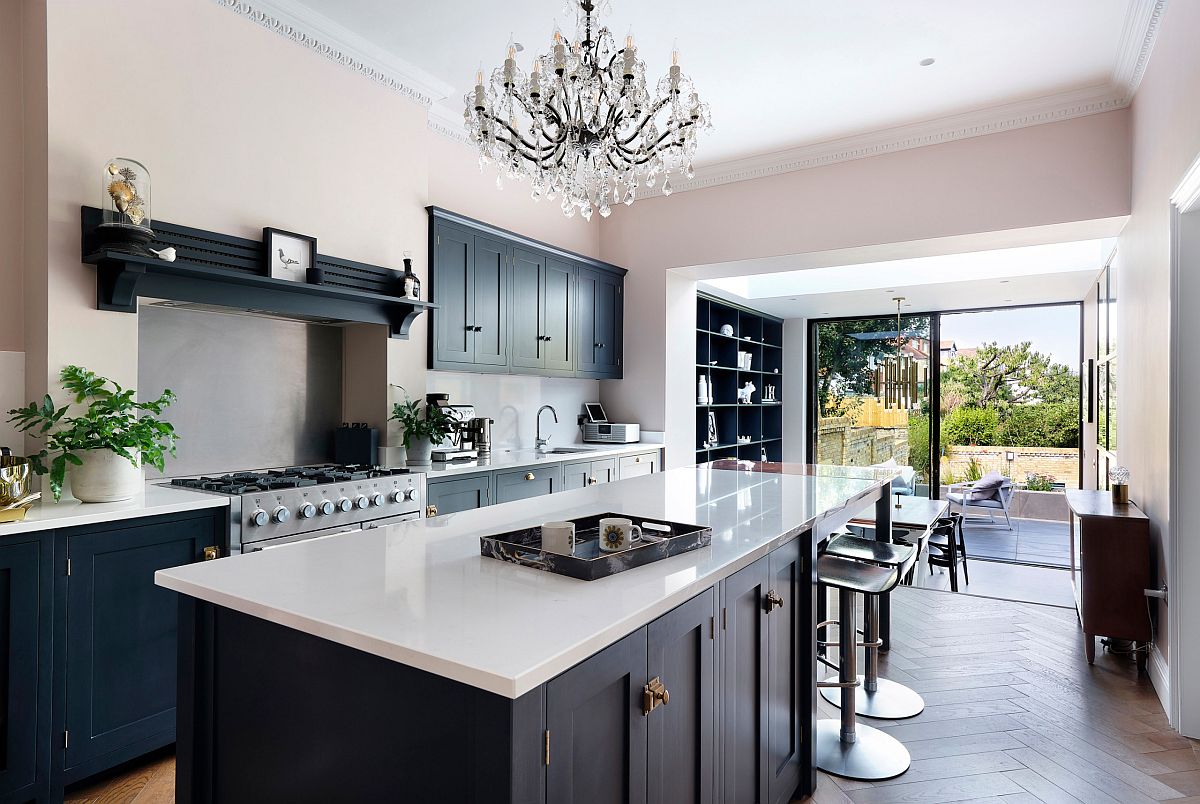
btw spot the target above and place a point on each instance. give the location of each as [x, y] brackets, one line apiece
[515, 134]
[650, 115]
[516, 149]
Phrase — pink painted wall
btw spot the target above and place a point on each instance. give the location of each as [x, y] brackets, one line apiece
[1060, 172]
[241, 129]
[11, 176]
[1166, 140]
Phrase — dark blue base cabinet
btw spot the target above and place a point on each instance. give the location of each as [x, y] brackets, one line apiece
[90, 655]
[271, 714]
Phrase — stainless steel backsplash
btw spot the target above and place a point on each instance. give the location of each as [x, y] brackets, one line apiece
[253, 391]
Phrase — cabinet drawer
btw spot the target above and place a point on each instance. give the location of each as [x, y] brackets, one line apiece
[644, 463]
[459, 494]
[522, 484]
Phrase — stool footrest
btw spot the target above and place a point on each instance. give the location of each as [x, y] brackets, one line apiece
[840, 684]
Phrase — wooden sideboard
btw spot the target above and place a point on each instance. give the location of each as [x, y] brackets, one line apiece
[1110, 569]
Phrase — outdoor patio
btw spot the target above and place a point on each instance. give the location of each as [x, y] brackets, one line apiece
[1031, 541]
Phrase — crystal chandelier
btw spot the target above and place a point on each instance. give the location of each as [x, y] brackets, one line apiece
[582, 125]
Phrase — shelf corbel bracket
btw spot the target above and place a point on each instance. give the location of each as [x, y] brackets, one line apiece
[402, 319]
[116, 285]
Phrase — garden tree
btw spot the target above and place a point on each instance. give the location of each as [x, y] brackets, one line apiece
[996, 376]
[844, 362]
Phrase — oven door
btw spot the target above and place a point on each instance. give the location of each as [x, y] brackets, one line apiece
[268, 544]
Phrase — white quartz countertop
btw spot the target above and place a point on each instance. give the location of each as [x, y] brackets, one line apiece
[46, 514]
[420, 593]
[519, 458]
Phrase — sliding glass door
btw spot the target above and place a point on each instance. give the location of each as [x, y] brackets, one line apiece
[871, 391]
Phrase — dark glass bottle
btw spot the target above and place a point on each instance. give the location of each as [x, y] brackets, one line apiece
[412, 283]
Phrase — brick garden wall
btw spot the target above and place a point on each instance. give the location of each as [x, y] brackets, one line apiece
[1060, 464]
[840, 442]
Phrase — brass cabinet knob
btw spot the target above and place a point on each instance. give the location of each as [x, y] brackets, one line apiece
[638, 459]
[530, 476]
[211, 552]
[431, 510]
[772, 601]
[654, 695]
[592, 481]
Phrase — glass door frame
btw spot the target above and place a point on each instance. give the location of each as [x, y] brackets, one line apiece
[935, 380]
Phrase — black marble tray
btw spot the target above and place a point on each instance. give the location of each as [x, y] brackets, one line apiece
[660, 539]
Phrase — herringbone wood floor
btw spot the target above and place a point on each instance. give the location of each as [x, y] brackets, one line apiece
[1013, 714]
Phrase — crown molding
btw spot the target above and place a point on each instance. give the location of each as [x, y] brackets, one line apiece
[1142, 21]
[317, 32]
[447, 123]
[993, 120]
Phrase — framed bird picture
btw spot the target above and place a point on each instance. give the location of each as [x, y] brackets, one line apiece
[290, 256]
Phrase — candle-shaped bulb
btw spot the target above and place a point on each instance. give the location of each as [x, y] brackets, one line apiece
[536, 69]
[675, 53]
[479, 77]
[512, 48]
[629, 39]
[558, 37]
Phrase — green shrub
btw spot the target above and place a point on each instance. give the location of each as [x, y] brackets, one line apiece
[1037, 482]
[1048, 424]
[918, 444]
[967, 425]
[974, 469]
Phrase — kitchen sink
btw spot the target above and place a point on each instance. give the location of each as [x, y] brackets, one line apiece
[565, 450]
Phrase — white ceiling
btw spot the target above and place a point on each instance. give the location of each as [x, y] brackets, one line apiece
[1037, 274]
[785, 74]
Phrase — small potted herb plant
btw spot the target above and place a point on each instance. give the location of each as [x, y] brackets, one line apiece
[423, 427]
[106, 446]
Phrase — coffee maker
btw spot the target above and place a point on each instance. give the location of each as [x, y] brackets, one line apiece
[480, 429]
[459, 445]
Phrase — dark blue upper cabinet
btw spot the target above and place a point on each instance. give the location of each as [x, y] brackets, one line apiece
[511, 304]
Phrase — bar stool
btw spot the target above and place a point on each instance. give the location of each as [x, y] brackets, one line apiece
[877, 697]
[843, 747]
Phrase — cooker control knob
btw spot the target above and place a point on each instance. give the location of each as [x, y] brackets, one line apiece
[280, 515]
[361, 502]
[344, 505]
[410, 493]
[377, 499]
[396, 496]
[259, 517]
[326, 507]
[307, 511]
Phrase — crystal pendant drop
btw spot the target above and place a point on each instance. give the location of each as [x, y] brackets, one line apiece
[605, 210]
[691, 171]
[629, 196]
[499, 182]
[667, 189]
[586, 212]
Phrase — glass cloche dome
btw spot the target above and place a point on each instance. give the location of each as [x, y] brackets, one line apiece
[125, 201]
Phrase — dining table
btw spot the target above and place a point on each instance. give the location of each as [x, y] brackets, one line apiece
[912, 513]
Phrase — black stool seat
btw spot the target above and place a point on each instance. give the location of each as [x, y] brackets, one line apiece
[868, 532]
[855, 576]
[872, 550]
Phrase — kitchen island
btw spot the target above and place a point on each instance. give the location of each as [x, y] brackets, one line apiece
[399, 664]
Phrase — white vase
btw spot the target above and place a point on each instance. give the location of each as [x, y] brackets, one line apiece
[104, 476]
[419, 452]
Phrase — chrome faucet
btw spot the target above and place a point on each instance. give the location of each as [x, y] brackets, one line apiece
[539, 443]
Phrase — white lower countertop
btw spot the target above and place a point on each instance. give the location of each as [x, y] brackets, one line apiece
[420, 593]
[46, 514]
[502, 459]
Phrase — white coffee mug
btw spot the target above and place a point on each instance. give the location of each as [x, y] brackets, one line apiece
[559, 537]
[618, 534]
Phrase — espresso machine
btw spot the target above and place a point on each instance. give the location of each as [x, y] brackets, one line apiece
[480, 429]
[460, 444]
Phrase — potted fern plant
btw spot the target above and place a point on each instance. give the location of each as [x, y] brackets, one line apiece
[105, 447]
[421, 429]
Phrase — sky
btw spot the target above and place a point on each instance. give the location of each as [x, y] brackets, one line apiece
[1052, 330]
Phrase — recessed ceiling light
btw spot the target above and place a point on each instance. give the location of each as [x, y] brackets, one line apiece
[1004, 281]
[926, 62]
[889, 291]
[1008, 300]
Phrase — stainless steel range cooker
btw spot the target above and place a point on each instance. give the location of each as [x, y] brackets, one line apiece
[277, 506]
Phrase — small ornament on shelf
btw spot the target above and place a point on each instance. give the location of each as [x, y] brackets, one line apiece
[1118, 481]
[412, 283]
[125, 201]
[746, 393]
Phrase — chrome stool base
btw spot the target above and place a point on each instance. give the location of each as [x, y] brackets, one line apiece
[891, 701]
[872, 757]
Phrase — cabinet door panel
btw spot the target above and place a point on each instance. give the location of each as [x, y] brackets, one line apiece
[644, 463]
[597, 730]
[525, 311]
[604, 471]
[462, 494]
[525, 483]
[490, 301]
[453, 290]
[588, 340]
[608, 325]
[557, 322]
[784, 699]
[576, 475]
[744, 719]
[681, 653]
[20, 617]
[121, 633]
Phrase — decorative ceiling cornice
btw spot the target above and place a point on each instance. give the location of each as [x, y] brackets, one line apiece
[1137, 42]
[448, 123]
[317, 32]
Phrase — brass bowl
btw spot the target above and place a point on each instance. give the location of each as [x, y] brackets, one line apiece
[16, 478]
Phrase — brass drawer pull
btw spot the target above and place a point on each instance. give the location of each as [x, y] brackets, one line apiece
[638, 459]
[431, 510]
[211, 553]
[530, 476]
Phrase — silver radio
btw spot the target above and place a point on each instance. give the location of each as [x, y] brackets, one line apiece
[599, 430]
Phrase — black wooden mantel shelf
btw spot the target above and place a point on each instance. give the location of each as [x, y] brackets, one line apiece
[226, 271]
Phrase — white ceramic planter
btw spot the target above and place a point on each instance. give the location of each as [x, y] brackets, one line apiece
[420, 453]
[105, 476]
